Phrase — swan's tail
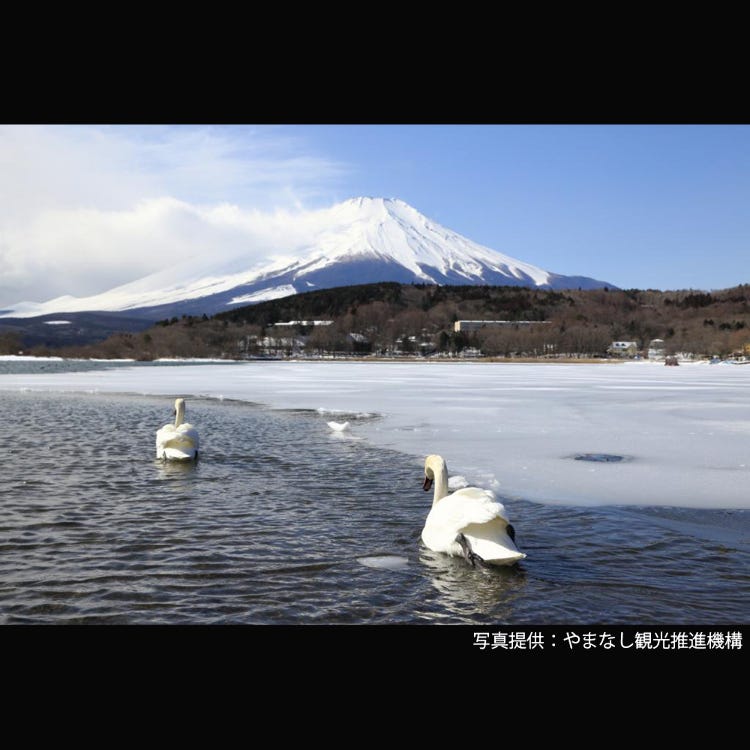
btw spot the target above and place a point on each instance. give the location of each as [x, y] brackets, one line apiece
[178, 448]
[176, 454]
[492, 543]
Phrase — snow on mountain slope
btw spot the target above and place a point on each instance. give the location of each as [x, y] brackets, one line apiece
[275, 292]
[358, 241]
[394, 231]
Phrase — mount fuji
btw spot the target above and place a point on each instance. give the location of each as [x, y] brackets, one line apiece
[359, 241]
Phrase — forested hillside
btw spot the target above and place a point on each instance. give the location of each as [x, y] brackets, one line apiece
[396, 319]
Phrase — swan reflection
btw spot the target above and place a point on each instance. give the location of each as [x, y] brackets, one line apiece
[175, 469]
[485, 591]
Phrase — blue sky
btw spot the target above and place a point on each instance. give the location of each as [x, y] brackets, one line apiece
[640, 206]
[83, 208]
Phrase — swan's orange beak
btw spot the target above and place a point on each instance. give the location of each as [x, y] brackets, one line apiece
[427, 486]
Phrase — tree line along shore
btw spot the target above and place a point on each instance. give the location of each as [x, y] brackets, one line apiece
[391, 320]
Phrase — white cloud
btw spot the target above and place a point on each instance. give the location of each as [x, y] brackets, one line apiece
[83, 209]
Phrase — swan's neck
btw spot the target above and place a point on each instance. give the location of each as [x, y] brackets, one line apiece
[179, 414]
[440, 482]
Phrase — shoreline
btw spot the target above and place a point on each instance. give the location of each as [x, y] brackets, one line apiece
[342, 359]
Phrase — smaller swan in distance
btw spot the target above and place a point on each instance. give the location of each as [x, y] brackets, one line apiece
[178, 441]
[338, 426]
[468, 523]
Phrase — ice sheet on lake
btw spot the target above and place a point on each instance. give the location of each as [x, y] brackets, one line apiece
[515, 428]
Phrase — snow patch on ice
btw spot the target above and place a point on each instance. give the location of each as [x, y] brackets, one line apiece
[457, 482]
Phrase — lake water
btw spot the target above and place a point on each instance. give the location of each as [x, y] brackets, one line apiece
[284, 522]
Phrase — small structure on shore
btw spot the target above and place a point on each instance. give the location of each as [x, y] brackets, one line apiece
[623, 348]
[656, 349]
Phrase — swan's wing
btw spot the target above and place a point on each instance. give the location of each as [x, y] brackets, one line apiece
[470, 505]
[484, 504]
[188, 435]
[164, 435]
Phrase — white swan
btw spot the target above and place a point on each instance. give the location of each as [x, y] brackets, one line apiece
[338, 426]
[469, 523]
[178, 441]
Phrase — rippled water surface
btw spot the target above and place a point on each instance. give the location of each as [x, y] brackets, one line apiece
[284, 522]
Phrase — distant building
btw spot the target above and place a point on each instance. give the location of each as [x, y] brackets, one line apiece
[656, 349]
[304, 323]
[623, 348]
[462, 326]
[269, 343]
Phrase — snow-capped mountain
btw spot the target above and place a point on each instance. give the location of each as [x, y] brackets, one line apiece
[359, 241]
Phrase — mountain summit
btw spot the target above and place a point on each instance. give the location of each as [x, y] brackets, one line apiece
[359, 241]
